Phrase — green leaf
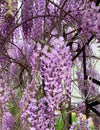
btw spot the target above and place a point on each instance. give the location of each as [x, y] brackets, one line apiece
[43, 42]
[59, 123]
[11, 108]
[74, 118]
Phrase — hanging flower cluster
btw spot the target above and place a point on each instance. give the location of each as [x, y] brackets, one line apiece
[7, 121]
[6, 94]
[56, 72]
[54, 64]
[28, 106]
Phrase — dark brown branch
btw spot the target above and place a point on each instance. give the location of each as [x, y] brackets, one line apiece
[66, 13]
[78, 53]
[94, 110]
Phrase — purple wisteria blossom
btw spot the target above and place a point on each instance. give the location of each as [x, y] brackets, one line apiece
[7, 121]
[55, 70]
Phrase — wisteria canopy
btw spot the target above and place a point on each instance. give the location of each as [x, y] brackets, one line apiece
[46, 55]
